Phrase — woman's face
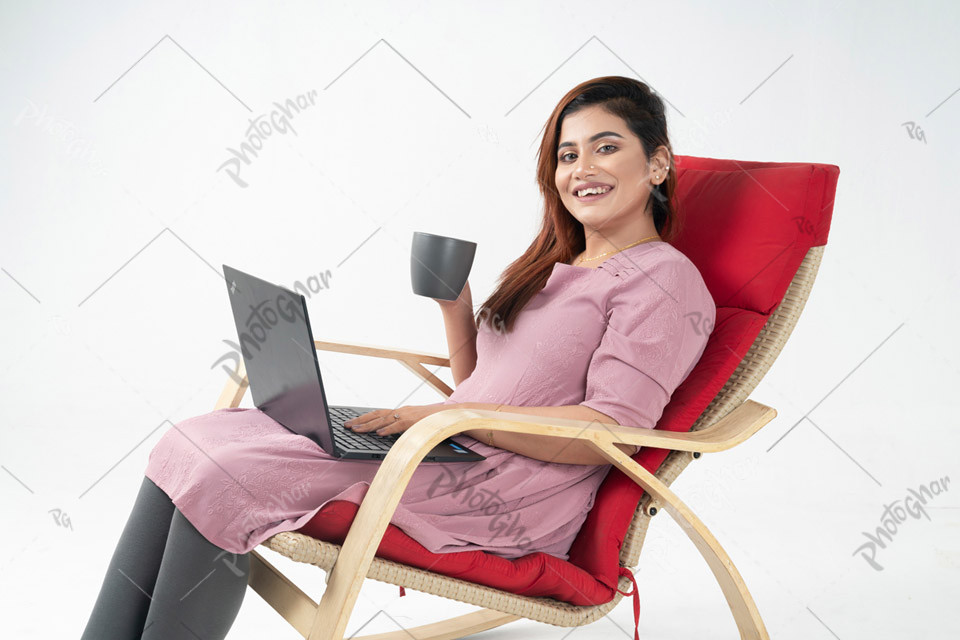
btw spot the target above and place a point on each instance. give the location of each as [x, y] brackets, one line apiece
[618, 160]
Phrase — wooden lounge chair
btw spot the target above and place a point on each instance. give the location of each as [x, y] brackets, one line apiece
[757, 232]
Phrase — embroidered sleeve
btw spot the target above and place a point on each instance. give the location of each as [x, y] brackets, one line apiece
[649, 345]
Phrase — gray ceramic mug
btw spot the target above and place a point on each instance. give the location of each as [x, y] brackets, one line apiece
[439, 265]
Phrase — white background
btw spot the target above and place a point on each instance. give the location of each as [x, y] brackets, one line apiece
[114, 224]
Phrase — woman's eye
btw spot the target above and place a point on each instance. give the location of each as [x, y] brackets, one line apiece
[562, 158]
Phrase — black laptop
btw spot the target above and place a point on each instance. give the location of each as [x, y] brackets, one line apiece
[276, 342]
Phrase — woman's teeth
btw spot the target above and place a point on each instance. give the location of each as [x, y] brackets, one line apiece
[591, 195]
[593, 190]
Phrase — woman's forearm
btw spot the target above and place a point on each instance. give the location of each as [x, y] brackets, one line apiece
[546, 448]
[461, 341]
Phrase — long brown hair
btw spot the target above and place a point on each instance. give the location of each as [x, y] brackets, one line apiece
[561, 235]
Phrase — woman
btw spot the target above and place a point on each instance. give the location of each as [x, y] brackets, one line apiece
[589, 324]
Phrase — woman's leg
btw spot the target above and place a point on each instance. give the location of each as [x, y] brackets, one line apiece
[124, 600]
[199, 588]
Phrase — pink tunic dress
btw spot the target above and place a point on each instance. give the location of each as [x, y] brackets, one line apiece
[618, 338]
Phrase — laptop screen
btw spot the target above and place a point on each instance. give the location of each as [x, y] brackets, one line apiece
[276, 342]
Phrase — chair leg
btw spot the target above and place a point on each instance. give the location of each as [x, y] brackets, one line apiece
[744, 609]
[450, 629]
[297, 608]
[287, 599]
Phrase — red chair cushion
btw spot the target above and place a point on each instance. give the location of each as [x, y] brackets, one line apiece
[717, 195]
[770, 220]
[746, 226]
[535, 574]
[596, 548]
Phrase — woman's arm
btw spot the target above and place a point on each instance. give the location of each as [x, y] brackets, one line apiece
[461, 334]
[546, 448]
[461, 341]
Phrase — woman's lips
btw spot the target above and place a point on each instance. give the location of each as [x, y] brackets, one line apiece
[592, 197]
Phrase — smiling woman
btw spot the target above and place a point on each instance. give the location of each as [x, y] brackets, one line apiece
[589, 323]
[609, 132]
[604, 182]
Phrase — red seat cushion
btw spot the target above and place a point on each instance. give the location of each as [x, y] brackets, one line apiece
[746, 226]
[535, 574]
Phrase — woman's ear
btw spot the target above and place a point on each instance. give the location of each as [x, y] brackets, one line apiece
[659, 160]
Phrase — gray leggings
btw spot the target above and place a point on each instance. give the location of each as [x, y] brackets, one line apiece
[166, 581]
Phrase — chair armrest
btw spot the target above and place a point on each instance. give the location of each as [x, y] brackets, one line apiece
[235, 389]
[389, 483]
[412, 360]
[729, 431]
[383, 352]
[350, 569]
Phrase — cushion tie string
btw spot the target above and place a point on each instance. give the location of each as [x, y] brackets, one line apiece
[636, 601]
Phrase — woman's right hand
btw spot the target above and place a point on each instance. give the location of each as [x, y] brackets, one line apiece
[465, 299]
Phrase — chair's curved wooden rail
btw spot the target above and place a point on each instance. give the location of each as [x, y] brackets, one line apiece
[327, 619]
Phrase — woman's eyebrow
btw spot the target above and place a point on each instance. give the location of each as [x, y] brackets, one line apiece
[593, 138]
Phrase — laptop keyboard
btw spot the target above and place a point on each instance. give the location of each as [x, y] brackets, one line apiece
[348, 439]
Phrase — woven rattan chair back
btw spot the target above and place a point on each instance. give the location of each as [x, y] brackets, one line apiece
[748, 374]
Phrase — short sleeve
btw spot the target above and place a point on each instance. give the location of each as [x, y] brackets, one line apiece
[650, 343]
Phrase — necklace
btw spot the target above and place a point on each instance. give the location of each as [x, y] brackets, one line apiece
[617, 251]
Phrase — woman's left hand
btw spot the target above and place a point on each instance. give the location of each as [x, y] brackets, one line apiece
[382, 421]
